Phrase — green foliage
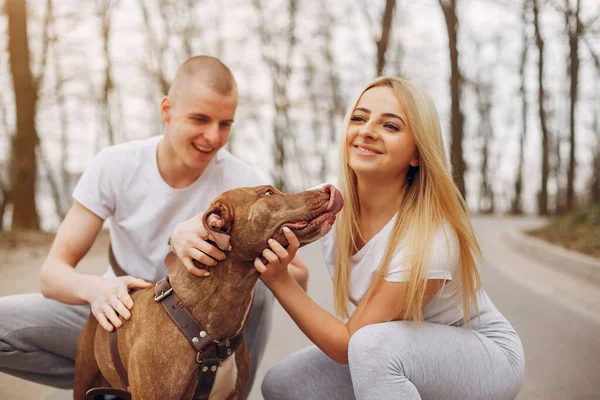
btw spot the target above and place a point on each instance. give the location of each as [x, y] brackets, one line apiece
[578, 231]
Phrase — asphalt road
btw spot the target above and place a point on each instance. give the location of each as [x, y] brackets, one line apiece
[557, 317]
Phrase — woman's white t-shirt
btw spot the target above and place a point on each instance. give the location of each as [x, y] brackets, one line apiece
[445, 308]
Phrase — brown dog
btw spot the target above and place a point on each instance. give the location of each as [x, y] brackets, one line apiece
[159, 360]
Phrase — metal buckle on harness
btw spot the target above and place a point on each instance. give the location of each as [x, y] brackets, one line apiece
[162, 295]
[207, 363]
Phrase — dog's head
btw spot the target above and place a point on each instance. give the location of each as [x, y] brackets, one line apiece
[248, 217]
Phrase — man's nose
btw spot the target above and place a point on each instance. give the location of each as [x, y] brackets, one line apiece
[212, 134]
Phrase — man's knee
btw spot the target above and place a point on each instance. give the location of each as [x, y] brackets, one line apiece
[31, 322]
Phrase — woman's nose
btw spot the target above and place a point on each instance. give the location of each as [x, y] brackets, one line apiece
[368, 131]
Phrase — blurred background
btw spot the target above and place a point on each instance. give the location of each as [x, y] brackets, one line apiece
[516, 83]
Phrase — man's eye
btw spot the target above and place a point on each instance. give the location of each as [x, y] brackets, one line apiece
[269, 192]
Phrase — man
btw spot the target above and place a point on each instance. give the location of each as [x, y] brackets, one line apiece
[144, 189]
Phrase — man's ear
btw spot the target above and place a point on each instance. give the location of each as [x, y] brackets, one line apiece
[165, 109]
[218, 221]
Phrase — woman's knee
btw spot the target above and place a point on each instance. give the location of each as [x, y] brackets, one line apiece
[369, 342]
[273, 384]
[379, 346]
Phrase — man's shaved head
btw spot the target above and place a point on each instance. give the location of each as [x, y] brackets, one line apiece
[206, 70]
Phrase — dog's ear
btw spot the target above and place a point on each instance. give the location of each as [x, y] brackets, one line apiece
[218, 221]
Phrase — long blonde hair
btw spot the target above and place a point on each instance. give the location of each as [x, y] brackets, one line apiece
[431, 199]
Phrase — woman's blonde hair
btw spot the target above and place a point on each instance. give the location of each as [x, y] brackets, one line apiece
[431, 199]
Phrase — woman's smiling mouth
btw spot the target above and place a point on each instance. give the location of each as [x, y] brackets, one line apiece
[361, 149]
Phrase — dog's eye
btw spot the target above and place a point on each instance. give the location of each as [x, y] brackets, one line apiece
[269, 192]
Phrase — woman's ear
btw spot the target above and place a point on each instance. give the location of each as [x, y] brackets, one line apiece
[415, 161]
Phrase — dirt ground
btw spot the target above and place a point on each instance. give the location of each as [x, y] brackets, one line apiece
[22, 257]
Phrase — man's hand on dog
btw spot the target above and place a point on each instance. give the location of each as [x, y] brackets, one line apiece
[190, 242]
[111, 300]
[278, 258]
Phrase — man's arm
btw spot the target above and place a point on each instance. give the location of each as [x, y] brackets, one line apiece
[75, 236]
[60, 281]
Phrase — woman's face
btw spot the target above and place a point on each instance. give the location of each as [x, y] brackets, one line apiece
[378, 140]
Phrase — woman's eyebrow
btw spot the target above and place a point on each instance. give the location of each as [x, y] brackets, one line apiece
[387, 115]
[390, 115]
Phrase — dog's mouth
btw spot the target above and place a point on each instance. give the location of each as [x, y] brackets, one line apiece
[325, 218]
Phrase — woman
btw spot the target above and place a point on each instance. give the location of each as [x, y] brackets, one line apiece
[402, 251]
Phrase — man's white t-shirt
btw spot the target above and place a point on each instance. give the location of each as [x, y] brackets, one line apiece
[123, 185]
[445, 308]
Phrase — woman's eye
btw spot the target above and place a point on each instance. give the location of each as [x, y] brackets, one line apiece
[269, 192]
[391, 127]
[357, 118]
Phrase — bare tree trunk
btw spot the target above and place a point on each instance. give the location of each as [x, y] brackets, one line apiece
[155, 63]
[58, 195]
[157, 50]
[24, 165]
[4, 172]
[555, 172]
[316, 127]
[336, 105]
[595, 186]
[483, 93]
[4, 200]
[517, 207]
[54, 185]
[107, 91]
[280, 74]
[386, 30]
[456, 80]
[543, 195]
[592, 52]
[4, 175]
[595, 180]
[574, 29]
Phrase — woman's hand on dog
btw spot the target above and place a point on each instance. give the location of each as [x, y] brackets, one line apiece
[189, 242]
[110, 300]
[277, 258]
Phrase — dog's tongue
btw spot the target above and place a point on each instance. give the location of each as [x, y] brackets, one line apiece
[336, 202]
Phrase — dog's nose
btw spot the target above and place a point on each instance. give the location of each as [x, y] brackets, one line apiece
[327, 188]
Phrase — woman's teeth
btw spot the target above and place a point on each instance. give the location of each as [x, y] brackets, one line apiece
[366, 150]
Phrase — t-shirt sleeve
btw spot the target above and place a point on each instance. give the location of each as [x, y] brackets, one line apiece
[94, 190]
[443, 258]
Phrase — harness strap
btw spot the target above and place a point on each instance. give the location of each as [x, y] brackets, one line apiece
[210, 353]
[114, 264]
[116, 358]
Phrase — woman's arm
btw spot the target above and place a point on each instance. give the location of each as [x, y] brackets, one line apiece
[326, 331]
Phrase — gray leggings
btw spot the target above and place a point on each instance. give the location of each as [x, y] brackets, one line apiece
[38, 336]
[403, 360]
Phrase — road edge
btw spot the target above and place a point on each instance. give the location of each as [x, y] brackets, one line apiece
[580, 265]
